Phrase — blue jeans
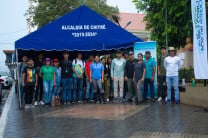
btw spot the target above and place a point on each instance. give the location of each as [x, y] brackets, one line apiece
[77, 84]
[67, 89]
[57, 87]
[172, 81]
[89, 90]
[146, 83]
[48, 87]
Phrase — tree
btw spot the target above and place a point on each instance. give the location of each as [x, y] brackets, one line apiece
[179, 20]
[42, 12]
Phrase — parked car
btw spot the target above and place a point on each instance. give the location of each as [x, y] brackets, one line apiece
[6, 79]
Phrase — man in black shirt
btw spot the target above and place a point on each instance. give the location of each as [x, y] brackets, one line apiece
[129, 74]
[66, 78]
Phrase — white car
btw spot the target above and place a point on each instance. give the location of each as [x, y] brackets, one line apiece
[6, 79]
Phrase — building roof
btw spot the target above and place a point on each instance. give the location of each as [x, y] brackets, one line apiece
[136, 19]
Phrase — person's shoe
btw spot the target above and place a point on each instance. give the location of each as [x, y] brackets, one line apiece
[27, 106]
[36, 103]
[65, 103]
[177, 102]
[167, 101]
[32, 106]
[80, 101]
[159, 99]
[92, 100]
[107, 100]
[129, 100]
[68, 103]
[42, 103]
[152, 100]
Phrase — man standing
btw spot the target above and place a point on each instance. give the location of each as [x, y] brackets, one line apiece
[89, 86]
[96, 77]
[129, 73]
[67, 78]
[161, 72]
[149, 75]
[78, 69]
[117, 74]
[172, 65]
[125, 91]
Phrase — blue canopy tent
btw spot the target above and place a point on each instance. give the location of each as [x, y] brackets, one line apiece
[82, 29]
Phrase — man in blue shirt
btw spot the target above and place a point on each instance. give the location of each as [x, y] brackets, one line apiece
[149, 75]
[96, 77]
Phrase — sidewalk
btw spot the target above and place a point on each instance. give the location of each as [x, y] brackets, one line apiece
[107, 121]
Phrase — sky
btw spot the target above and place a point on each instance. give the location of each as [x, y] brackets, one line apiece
[13, 22]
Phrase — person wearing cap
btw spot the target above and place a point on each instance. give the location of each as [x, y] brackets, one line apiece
[56, 89]
[97, 78]
[78, 66]
[172, 65]
[129, 73]
[149, 75]
[66, 78]
[47, 72]
[39, 88]
[117, 74]
[161, 73]
[139, 73]
[89, 86]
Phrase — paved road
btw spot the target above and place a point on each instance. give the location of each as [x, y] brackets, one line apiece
[5, 93]
[107, 121]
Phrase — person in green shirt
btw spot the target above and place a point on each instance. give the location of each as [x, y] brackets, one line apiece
[161, 72]
[47, 72]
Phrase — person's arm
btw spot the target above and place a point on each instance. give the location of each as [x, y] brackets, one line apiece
[102, 74]
[125, 72]
[179, 63]
[165, 64]
[54, 78]
[86, 70]
[83, 71]
[91, 73]
[36, 79]
[154, 69]
[134, 76]
[23, 79]
[112, 70]
[41, 73]
[144, 71]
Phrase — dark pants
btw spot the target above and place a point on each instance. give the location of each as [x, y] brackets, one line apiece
[151, 84]
[28, 90]
[125, 89]
[39, 90]
[161, 88]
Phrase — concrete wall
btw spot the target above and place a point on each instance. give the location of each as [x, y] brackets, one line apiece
[196, 96]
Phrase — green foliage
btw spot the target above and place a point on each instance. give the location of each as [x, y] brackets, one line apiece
[179, 20]
[188, 74]
[48, 10]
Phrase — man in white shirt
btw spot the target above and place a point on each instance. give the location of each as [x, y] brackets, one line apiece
[172, 64]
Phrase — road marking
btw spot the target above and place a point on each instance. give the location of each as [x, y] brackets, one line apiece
[4, 115]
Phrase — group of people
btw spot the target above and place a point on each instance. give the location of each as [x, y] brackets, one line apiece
[52, 82]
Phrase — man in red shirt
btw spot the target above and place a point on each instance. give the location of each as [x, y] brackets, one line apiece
[89, 86]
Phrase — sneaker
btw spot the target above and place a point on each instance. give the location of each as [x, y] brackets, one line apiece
[36, 103]
[65, 103]
[167, 101]
[129, 100]
[42, 103]
[32, 106]
[92, 100]
[159, 99]
[27, 106]
[152, 100]
[80, 101]
[177, 102]
[68, 103]
[107, 100]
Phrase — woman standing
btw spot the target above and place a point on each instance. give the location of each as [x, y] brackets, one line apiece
[49, 80]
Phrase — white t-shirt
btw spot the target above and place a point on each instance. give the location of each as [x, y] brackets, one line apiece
[79, 62]
[172, 65]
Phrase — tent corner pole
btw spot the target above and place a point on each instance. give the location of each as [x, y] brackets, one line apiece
[18, 79]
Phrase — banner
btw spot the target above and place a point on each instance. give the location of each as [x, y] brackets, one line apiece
[142, 47]
[199, 39]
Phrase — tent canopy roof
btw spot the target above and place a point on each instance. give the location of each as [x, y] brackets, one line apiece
[82, 29]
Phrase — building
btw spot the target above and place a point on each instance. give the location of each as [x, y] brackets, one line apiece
[9, 61]
[133, 22]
